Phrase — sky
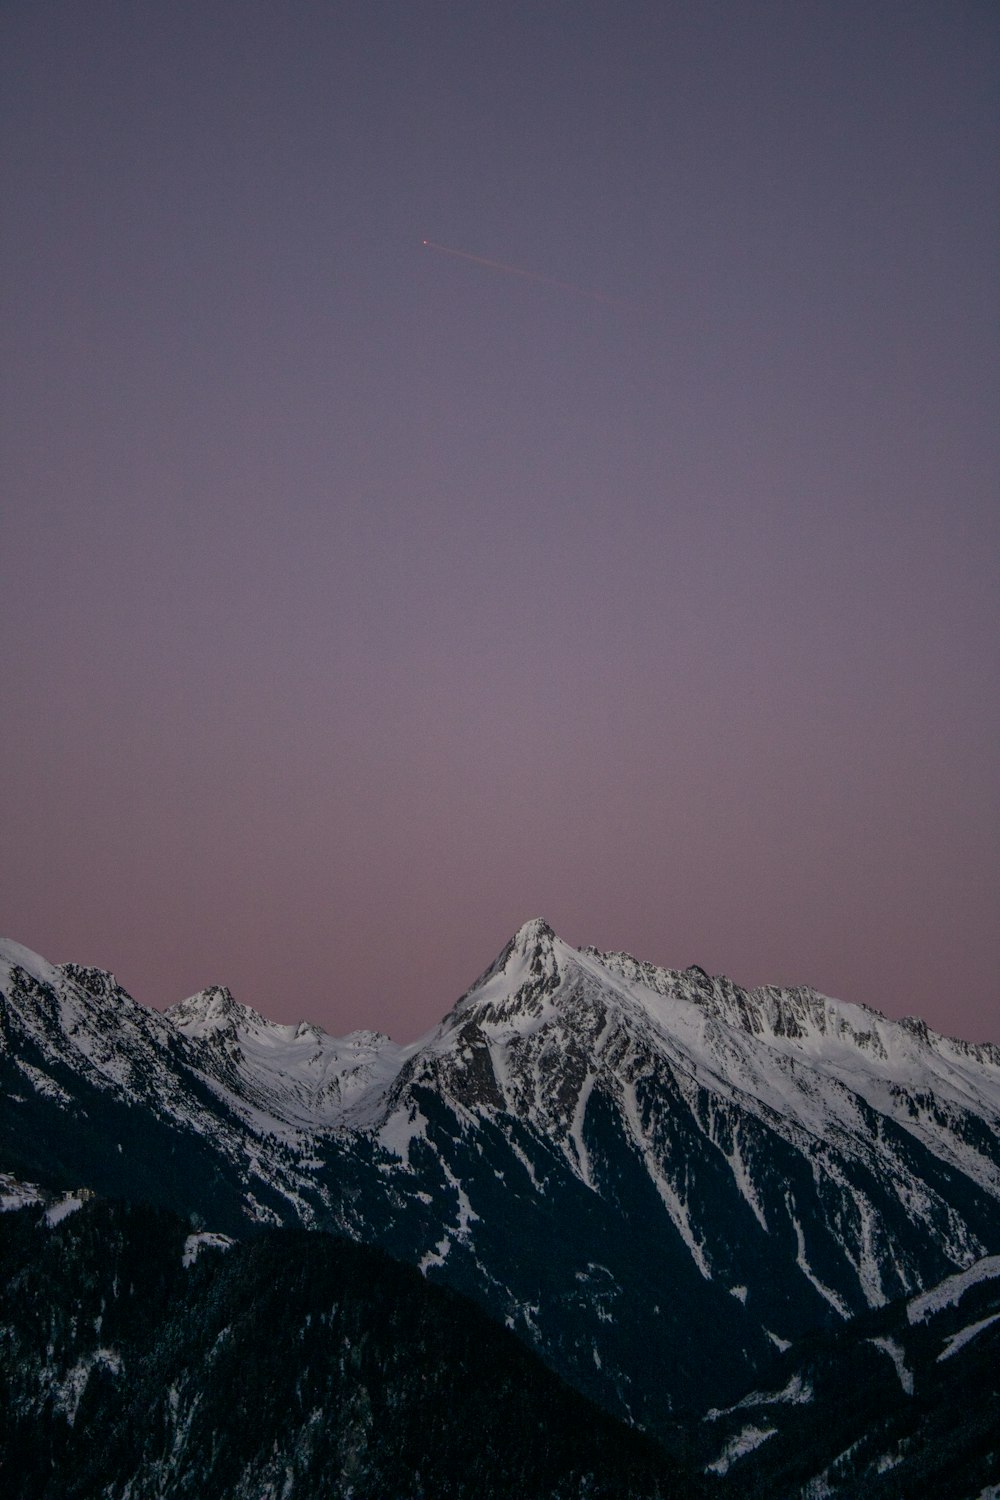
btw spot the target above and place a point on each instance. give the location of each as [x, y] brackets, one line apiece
[359, 601]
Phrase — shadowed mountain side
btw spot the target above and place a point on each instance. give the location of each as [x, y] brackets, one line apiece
[139, 1359]
[900, 1403]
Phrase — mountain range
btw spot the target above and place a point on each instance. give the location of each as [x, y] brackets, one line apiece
[663, 1184]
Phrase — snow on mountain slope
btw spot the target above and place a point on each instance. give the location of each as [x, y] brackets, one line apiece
[82, 1017]
[273, 1076]
[297, 1074]
[928, 1083]
[949, 1293]
[702, 1078]
[112, 1093]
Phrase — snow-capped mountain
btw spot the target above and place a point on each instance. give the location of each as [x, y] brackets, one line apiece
[299, 1075]
[98, 1090]
[658, 1179]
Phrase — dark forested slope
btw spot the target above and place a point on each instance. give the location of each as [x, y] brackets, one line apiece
[293, 1364]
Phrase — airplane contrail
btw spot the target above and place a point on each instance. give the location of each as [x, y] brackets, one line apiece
[502, 265]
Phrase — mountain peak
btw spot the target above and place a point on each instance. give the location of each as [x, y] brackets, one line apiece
[531, 959]
[210, 1011]
[532, 935]
[534, 949]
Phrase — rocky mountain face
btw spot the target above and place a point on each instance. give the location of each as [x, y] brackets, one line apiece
[657, 1179]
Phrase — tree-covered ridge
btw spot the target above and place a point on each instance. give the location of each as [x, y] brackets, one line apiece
[292, 1365]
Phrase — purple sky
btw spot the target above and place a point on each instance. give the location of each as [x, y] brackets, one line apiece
[358, 602]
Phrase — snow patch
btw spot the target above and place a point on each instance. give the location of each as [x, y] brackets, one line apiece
[42, 1083]
[672, 1200]
[69, 1392]
[950, 1291]
[68, 1204]
[797, 1392]
[399, 1129]
[207, 1239]
[896, 1354]
[436, 1257]
[582, 1163]
[738, 1447]
[804, 1266]
[964, 1336]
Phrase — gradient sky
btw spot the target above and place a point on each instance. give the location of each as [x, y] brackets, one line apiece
[358, 601]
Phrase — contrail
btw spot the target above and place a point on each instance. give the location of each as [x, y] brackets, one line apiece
[501, 265]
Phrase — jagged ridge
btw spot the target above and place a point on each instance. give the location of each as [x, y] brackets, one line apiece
[610, 1156]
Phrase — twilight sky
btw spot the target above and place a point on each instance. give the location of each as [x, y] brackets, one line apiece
[359, 601]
